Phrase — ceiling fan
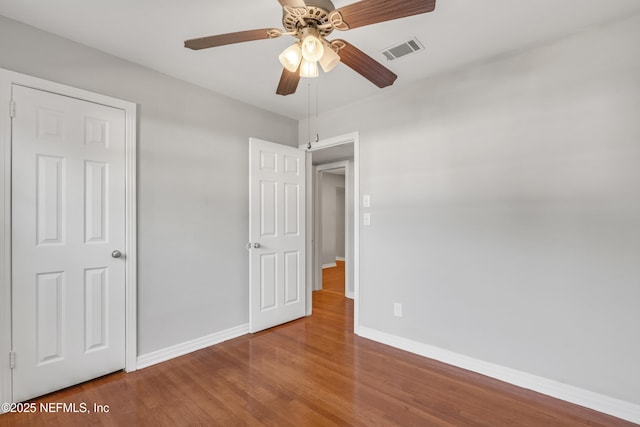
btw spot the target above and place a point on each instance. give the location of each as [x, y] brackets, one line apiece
[311, 21]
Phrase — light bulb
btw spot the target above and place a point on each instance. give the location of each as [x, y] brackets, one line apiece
[312, 49]
[308, 69]
[329, 60]
[290, 58]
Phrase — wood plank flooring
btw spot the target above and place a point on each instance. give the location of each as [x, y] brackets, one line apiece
[311, 372]
[333, 278]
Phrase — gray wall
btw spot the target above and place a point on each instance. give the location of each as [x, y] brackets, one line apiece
[331, 221]
[506, 210]
[192, 183]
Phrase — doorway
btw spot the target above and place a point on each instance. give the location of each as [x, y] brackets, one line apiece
[333, 213]
[333, 223]
[326, 155]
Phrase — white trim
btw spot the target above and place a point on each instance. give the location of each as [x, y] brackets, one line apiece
[332, 142]
[341, 258]
[356, 233]
[310, 261]
[329, 265]
[178, 350]
[131, 239]
[7, 79]
[5, 241]
[598, 402]
[316, 278]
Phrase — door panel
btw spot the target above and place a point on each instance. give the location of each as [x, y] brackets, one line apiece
[268, 212]
[50, 196]
[276, 226]
[95, 291]
[95, 201]
[49, 310]
[291, 278]
[292, 209]
[68, 215]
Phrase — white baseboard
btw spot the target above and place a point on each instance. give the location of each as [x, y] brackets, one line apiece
[330, 265]
[598, 402]
[340, 258]
[350, 295]
[168, 353]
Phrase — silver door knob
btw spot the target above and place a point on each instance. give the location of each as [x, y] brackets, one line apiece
[116, 254]
[256, 245]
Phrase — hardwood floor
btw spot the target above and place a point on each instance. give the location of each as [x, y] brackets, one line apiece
[333, 278]
[312, 372]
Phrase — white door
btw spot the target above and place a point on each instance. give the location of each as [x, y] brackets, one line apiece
[277, 234]
[68, 212]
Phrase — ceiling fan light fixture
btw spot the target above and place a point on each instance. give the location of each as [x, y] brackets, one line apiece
[290, 58]
[311, 22]
[309, 69]
[329, 60]
[312, 47]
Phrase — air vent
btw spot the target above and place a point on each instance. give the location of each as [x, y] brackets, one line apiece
[403, 49]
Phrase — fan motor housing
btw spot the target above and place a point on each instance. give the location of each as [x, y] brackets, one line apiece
[315, 14]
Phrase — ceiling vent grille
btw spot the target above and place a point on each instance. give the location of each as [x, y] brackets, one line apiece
[403, 49]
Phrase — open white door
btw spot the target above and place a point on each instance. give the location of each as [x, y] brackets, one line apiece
[277, 234]
[68, 226]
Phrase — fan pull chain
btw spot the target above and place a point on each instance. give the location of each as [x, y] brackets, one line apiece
[309, 113]
[317, 124]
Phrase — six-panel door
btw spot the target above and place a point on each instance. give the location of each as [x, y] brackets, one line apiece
[68, 216]
[277, 234]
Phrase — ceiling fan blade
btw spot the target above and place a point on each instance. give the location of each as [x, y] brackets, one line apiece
[230, 38]
[369, 12]
[292, 3]
[365, 65]
[288, 82]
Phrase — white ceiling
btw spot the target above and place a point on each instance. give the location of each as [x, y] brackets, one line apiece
[151, 33]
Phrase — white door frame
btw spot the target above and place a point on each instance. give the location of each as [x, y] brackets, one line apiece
[354, 138]
[7, 80]
[317, 244]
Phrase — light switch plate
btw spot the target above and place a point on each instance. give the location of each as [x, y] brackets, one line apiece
[366, 201]
[397, 309]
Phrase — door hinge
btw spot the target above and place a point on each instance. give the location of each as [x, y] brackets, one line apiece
[12, 108]
[12, 359]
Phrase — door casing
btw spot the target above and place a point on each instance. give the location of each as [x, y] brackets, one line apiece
[7, 80]
[354, 138]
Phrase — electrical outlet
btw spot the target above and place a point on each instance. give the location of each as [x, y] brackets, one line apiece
[366, 219]
[397, 309]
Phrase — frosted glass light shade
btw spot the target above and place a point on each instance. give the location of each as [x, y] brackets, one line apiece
[308, 69]
[312, 48]
[329, 60]
[290, 58]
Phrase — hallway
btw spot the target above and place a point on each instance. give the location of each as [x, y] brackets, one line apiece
[333, 279]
